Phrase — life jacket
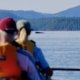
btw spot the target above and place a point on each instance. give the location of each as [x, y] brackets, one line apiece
[8, 61]
[27, 45]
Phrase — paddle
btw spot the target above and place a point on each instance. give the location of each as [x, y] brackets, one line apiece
[65, 69]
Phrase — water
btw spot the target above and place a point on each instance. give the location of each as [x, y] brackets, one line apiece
[61, 49]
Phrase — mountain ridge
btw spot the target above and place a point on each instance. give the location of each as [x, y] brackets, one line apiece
[71, 12]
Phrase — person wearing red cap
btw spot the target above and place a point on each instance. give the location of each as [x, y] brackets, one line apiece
[13, 61]
[24, 31]
[8, 63]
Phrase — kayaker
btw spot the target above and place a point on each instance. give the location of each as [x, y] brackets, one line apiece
[9, 69]
[24, 30]
[13, 60]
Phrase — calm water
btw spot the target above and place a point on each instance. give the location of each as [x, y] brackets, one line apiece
[61, 49]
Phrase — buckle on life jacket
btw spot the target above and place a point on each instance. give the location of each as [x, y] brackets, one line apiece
[2, 57]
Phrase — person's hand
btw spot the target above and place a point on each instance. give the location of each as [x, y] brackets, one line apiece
[48, 71]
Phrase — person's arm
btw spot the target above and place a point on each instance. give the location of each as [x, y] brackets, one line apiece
[38, 54]
[42, 62]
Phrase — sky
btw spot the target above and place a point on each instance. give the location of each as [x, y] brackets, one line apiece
[44, 6]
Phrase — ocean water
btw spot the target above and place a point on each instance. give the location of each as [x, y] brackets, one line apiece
[61, 49]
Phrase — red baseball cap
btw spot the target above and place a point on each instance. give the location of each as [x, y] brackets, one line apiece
[8, 24]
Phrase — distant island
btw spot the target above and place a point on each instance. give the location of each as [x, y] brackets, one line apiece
[65, 20]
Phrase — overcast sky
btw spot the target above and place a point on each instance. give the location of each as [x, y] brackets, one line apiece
[45, 6]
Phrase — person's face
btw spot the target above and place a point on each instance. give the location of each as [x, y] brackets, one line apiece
[11, 36]
[23, 34]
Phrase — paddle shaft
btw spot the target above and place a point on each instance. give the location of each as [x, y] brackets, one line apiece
[65, 69]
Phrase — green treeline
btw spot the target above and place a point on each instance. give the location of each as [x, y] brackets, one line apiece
[56, 23]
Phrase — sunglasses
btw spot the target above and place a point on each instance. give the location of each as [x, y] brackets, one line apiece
[11, 31]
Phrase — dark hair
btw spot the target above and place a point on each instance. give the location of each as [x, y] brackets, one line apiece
[28, 32]
[28, 28]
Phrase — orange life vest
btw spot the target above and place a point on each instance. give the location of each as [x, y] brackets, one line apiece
[8, 62]
[27, 45]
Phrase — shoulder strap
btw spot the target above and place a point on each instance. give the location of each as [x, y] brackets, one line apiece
[17, 45]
